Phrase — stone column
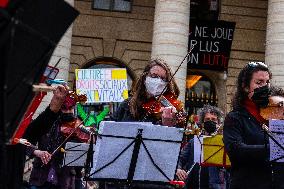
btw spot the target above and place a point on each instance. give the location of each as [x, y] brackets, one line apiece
[61, 51]
[170, 37]
[274, 52]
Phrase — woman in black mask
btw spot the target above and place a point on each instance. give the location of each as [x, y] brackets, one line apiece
[47, 172]
[210, 120]
[244, 139]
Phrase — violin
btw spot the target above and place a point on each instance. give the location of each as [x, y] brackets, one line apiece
[155, 104]
[275, 108]
[76, 130]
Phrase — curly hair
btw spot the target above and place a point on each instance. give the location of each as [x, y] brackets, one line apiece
[244, 80]
[212, 110]
[139, 93]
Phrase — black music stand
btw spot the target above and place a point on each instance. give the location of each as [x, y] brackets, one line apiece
[75, 154]
[136, 152]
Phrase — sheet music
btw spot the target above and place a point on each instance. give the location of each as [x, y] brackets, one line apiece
[275, 151]
[76, 154]
[198, 155]
[107, 148]
[209, 150]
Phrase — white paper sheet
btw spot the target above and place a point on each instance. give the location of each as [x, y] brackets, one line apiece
[165, 154]
[276, 152]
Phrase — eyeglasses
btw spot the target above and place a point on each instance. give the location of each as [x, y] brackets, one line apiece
[255, 64]
[153, 75]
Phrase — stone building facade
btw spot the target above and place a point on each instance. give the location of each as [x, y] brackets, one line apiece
[158, 28]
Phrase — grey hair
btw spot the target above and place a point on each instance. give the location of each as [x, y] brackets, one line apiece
[210, 109]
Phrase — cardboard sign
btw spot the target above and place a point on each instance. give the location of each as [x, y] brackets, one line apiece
[102, 85]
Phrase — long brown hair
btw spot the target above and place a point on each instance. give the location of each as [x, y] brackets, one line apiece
[139, 93]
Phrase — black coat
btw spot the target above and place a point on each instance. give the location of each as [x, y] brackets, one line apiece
[15, 154]
[248, 149]
[186, 161]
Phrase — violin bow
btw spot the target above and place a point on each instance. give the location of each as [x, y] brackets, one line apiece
[171, 78]
[65, 140]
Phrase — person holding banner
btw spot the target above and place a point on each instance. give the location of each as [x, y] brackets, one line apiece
[244, 139]
[155, 78]
[210, 120]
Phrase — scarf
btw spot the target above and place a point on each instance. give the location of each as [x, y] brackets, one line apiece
[253, 110]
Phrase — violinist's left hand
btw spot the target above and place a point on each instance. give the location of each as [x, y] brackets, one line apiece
[168, 116]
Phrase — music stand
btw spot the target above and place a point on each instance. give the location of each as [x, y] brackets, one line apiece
[75, 154]
[136, 152]
[210, 151]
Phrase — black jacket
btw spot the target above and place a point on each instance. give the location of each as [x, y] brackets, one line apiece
[248, 149]
[186, 162]
[16, 153]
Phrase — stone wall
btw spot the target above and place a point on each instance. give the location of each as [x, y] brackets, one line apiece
[249, 37]
[128, 38]
[62, 51]
[123, 36]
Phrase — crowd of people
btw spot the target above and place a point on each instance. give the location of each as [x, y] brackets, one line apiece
[245, 141]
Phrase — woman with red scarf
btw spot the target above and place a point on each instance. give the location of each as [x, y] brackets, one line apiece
[244, 139]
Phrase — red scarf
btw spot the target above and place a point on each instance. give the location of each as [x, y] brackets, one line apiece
[253, 110]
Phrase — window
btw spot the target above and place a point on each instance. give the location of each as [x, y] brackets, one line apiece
[204, 9]
[199, 91]
[113, 5]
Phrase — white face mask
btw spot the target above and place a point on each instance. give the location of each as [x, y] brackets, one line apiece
[154, 86]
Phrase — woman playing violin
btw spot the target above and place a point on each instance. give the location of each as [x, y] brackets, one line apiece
[244, 139]
[143, 106]
[47, 169]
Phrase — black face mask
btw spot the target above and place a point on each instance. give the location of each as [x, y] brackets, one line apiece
[210, 126]
[67, 117]
[260, 96]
